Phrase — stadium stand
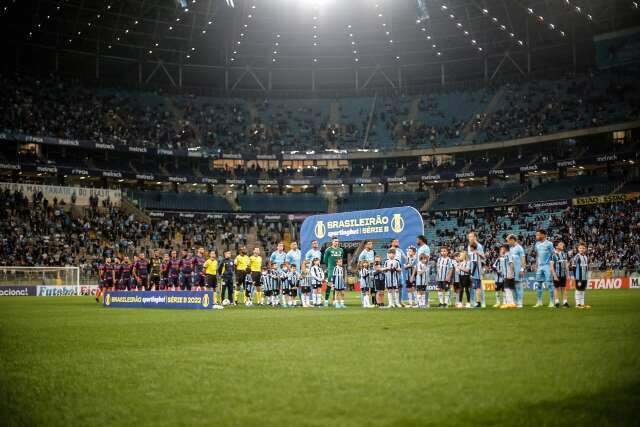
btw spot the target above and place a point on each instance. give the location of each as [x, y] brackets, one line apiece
[294, 203]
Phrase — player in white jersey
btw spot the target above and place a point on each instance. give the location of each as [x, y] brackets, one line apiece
[499, 267]
[305, 284]
[410, 269]
[393, 271]
[509, 278]
[463, 270]
[560, 271]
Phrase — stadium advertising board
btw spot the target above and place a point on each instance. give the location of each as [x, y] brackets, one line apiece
[610, 198]
[158, 299]
[402, 223]
[17, 291]
[57, 291]
[62, 193]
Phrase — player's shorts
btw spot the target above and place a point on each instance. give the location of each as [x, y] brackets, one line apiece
[199, 280]
[340, 286]
[456, 285]
[543, 274]
[305, 289]
[240, 275]
[185, 281]
[561, 283]
[255, 275]
[465, 281]
[509, 284]
[316, 285]
[421, 288]
[476, 283]
[410, 284]
[173, 281]
[581, 285]
[212, 281]
[107, 283]
[126, 284]
[442, 285]
[144, 282]
[391, 285]
[379, 285]
[499, 286]
[293, 292]
[155, 280]
[364, 289]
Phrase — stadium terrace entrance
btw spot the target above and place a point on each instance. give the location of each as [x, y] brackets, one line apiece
[402, 223]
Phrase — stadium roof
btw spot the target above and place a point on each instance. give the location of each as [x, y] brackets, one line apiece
[302, 45]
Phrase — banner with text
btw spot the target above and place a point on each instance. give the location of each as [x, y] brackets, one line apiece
[81, 194]
[160, 299]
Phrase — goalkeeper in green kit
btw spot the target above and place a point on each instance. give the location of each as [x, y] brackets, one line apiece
[329, 258]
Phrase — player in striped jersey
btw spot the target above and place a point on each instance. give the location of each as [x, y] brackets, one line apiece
[500, 268]
[317, 277]
[366, 282]
[305, 284]
[580, 264]
[265, 284]
[339, 284]
[410, 269]
[444, 274]
[509, 278]
[285, 286]
[463, 268]
[456, 281]
[248, 288]
[560, 272]
[294, 279]
[378, 280]
[422, 280]
[392, 271]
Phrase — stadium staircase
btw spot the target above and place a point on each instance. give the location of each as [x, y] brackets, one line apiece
[430, 199]
[233, 200]
[468, 133]
[130, 208]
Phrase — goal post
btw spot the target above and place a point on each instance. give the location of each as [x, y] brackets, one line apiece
[62, 277]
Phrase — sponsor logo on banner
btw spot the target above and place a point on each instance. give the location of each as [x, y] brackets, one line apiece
[112, 174]
[103, 146]
[610, 198]
[79, 172]
[10, 166]
[496, 172]
[236, 181]
[332, 181]
[299, 182]
[57, 291]
[609, 283]
[156, 214]
[268, 182]
[89, 290]
[177, 178]
[165, 151]
[465, 175]
[528, 168]
[634, 282]
[548, 204]
[266, 157]
[69, 142]
[566, 163]
[158, 299]
[232, 156]
[215, 216]
[363, 181]
[430, 177]
[137, 150]
[48, 169]
[607, 158]
[206, 180]
[320, 230]
[187, 215]
[145, 177]
[17, 291]
[37, 139]
[272, 217]
[397, 179]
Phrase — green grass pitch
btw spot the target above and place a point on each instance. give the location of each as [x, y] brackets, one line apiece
[69, 362]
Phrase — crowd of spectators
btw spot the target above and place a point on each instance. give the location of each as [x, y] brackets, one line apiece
[67, 109]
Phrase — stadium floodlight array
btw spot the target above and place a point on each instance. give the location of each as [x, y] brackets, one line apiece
[237, 44]
[421, 24]
[635, 5]
[315, 39]
[48, 18]
[276, 47]
[579, 10]
[67, 277]
[445, 9]
[385, 28]
[541, 20]
[353, 43]
[502, 27]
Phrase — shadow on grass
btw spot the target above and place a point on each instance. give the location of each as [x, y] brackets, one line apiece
[607, 407]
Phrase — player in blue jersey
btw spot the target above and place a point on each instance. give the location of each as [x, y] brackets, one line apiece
[544, 278]
[517, 254]
[475, 252]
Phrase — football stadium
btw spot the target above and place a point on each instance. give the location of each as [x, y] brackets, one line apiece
[319, 212]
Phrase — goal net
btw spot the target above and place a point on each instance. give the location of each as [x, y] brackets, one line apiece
[67, 278]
